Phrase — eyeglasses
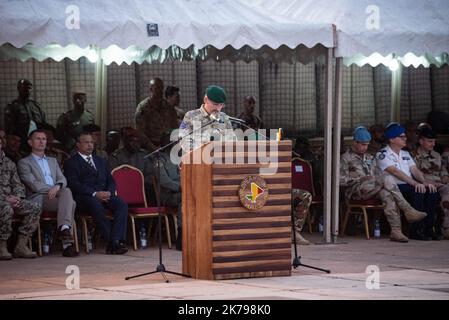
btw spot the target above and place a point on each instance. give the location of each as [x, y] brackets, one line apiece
[218, 105]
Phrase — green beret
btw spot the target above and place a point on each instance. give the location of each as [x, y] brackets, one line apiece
[216, 94]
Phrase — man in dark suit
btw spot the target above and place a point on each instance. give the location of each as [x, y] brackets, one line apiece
[89, 178]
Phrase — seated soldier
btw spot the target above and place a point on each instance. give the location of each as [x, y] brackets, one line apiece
[170, 180]
[358, 174]
[420, 192]
[12, 201]
[132, 154]
[429, 162]
[12, 148]
[301, 201]
[113, 141]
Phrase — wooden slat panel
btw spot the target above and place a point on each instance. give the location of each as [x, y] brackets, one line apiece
[255, 256]
[230, 213]
[232, 159]
[250, 231]
[251, 236]
[234, 192]
[240, 275]
[284, 196]
[259, 246]
[254, 219]
[254, 171]
[270, 265]
[251, 253]
[260, 145]
[254, 225]
[237, 181]
[270, 202]
[249, 165]
[219, 244]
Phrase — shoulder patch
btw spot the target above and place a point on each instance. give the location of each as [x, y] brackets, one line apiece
[381, 156]
[183, 125]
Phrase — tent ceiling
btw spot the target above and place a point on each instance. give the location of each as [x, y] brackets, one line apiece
[420, 26]
[201, 26]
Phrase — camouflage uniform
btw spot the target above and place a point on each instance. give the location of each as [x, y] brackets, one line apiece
[199, 117]
[10, 185]
[300, 209]
[153, 120]
[430, 163]
[251, 120]
[70, 125]
[60, 155]
[170, 179]
[18, 116]
[354, 168]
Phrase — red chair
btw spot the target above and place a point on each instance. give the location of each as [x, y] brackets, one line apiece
[130, 187]
[302, 178]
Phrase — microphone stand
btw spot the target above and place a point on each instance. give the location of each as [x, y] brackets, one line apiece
[297, 259]
[157, 153]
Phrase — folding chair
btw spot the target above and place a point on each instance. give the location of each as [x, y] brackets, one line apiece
[131, 188]
[52, 216]
[302, 178]
[361, 208]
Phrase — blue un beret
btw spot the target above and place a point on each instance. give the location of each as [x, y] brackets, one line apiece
[361, 134]
[394, 130]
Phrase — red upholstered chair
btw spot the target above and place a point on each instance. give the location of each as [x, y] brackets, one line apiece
[131, 188]
[52, 216]
[360, 207]
[302, 178]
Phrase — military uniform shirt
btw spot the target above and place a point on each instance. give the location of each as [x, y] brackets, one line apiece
[70, 125]
[354, 167]
[431, 165]
[10, 183]
[18, 117]
[387, 158]
[153, 120]
[194, 119]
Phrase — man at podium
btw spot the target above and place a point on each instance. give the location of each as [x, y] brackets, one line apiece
[219, 130]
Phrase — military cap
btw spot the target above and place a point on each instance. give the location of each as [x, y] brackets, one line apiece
[216, 94]
[428, 133]
[361, 134]
[24, 81]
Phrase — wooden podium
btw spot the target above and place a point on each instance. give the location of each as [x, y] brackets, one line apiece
[221, 238]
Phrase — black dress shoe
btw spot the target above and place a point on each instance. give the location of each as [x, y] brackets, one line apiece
[70, 251]
[116, 248]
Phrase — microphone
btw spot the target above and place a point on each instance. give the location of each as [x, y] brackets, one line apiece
[217, 118]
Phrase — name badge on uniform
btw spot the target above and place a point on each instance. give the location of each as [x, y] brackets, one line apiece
[405, 158]
[298, 169]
